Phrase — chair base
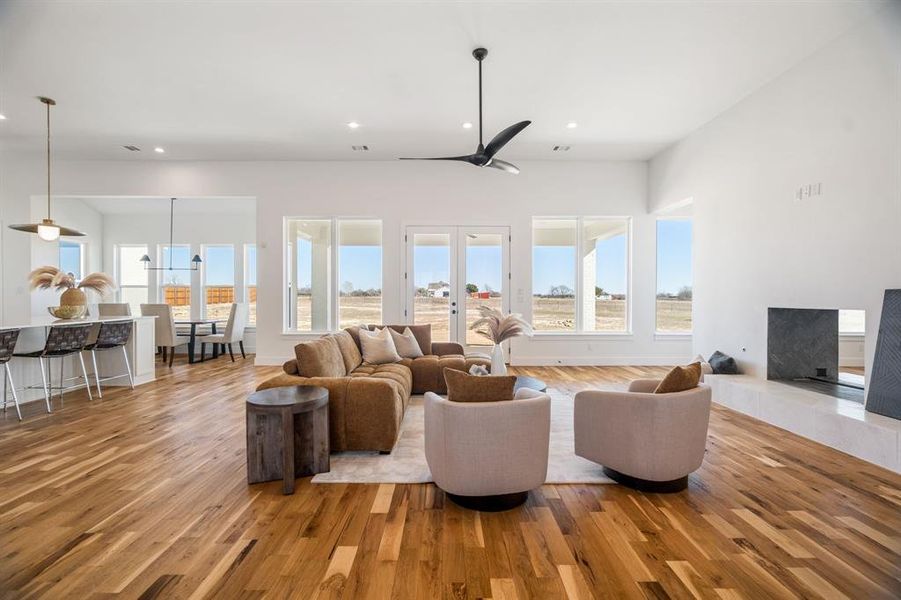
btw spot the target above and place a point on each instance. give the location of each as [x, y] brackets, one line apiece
[495, 503]
[646, 485]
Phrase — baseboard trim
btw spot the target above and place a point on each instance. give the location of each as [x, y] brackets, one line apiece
[599, 361]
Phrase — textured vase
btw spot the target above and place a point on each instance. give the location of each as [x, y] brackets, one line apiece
[498, 366]
[73, 297]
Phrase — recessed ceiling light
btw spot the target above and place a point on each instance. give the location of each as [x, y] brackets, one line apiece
[572, 125]
[562, 148]
[132, 148]
[159, 150]
[467, 125]
[353, 124]
[360, 148]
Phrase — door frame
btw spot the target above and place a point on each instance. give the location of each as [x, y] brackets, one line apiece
[457, 276]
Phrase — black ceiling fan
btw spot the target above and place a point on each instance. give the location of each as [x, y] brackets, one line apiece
[484, 155]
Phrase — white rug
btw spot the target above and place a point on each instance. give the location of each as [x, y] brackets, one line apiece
[407, 464]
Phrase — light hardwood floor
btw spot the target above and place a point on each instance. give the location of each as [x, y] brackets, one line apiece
[143, 494]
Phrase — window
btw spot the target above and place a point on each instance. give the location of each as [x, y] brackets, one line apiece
[852, 322]
[71, 258]
[580, 274]
[674, 275]
[359, 272]
[322, 284]
[250, 282]
[218, 281]
[131, 276]
[175, 286]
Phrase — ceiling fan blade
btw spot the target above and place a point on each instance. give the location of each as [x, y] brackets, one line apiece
[467, 158]
[501, 139]
[503, 166]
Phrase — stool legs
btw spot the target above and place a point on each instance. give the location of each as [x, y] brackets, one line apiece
[131, 377]
[96, 374]
[8, 377]
[84, 373]
[44, 381]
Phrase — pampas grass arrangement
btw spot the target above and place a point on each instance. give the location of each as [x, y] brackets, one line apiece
[498, 327]
[47, 277]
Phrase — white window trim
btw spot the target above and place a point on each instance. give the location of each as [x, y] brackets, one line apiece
[579, 331]
[671, 335]
[289, 299]
[245, 262]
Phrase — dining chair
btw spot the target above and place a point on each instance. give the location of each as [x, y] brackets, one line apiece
[114, 309]
[234, 332]
[8, 340]
[164, 329]
[62, 341]
[111, 336]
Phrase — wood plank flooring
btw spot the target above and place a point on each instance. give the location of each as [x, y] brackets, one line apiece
[143, 495]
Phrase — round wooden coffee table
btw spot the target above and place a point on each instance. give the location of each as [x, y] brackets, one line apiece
[529, 383]
[287, 434]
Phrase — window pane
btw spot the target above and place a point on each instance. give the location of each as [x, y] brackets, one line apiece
[176, 285]
[250, 282]
[674, 275]
[554, 274]
[131, 269]
[134, 297]
[219, 281]
[852, 321]
[70, 258]
[484, 279]
[359, 272]
[312, 274]
[605, 281]
[431, 277]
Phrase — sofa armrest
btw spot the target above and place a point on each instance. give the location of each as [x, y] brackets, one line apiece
[445, 348]
[290, 367]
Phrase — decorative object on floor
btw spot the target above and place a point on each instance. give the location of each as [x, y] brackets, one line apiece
[287, 434]
[378, 347]
[529, 383]
[463, 387]
[407, 463]
[644, 440]
[406, 344]
[195, 261]
[478, 371]
[73, 302]
[680, 379]
[884, 396]
[47, 230]
[497, 328]
[723, 364]
[488, 455]
[484, 155]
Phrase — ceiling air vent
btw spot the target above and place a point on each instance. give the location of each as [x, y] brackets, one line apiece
[360, 148]
[561, 148]
[131, 148]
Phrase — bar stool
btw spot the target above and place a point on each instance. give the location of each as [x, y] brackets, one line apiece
[62, 341]
[8, 340]
[112, 335]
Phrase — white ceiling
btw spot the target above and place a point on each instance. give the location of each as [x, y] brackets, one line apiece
[279, 80]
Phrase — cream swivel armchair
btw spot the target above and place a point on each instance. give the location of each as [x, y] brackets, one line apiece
[488, 455]
[234, 332]
[644, 440]
[164, 329]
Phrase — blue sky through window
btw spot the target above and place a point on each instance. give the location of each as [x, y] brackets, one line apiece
[673, 255]
[361, 266]
[219, 266]
[70, 258]
[181, 259]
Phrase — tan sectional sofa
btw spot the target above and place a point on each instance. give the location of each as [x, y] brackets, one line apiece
[367, 402]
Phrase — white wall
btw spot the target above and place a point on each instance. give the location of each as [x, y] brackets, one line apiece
[836, 119]
[400, 194]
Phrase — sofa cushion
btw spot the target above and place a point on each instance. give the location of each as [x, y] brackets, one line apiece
[349, 350]
[397, 374]
[680, 379]
[463, 387]
[422, 333]
[406, 343]
[354, 332]
[378, 347]
[320, 358]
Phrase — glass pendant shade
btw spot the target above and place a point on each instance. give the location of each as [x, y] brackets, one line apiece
[48, 233]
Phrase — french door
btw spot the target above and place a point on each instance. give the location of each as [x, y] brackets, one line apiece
[450, 273]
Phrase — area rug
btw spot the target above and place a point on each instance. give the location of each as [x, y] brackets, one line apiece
[407, 464]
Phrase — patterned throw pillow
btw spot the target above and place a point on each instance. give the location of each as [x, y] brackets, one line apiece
[463, 387]
[378, 347]
[406, 343]
[680, 379]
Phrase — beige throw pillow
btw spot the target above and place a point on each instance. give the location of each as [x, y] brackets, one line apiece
[378, 347]
[406, 343]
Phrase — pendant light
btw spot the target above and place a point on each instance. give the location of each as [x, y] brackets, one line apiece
[195, 262]
[47, 229]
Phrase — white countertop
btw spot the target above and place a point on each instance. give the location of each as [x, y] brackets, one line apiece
[48, 321]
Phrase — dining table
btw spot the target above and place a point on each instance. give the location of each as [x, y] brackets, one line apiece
[194, 324]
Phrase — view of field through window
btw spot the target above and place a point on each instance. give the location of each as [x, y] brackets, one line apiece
[674, 291]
